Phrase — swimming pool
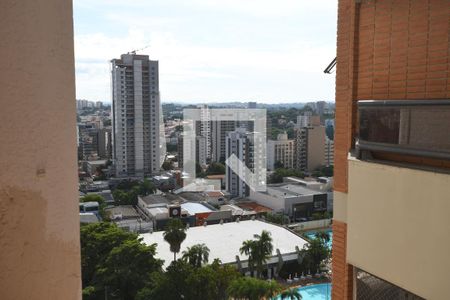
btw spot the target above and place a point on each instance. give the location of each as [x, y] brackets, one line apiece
[315, 292]
[312, 235]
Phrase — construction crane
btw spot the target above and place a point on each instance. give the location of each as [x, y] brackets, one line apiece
[136, 50]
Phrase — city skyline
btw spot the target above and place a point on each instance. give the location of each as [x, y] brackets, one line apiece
[211, 52]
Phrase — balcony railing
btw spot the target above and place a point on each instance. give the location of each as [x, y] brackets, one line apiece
[410, 127]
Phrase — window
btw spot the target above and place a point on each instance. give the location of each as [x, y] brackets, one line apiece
[413, 127]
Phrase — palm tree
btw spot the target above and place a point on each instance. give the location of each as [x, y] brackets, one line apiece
[273, 288]
[323, 236]
[291, 294]
[250, 288]
[248, 248]
[196, 255]
[175, 234]
[258, 251]
[263, 250]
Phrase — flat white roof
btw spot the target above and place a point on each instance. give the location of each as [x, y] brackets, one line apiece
[225, 240]
[195, 208]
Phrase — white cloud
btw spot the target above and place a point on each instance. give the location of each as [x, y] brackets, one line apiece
[190, 69]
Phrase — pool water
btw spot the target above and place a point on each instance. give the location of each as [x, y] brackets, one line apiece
[314, 292]
[312, 235]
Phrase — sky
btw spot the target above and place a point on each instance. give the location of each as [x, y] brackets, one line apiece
[211, 50]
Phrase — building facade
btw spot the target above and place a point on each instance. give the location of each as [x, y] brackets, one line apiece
[309, 148]
[280, 151]
[136, 116]
[220, 130]
[329, 152]
[392, 153]
[238, 143]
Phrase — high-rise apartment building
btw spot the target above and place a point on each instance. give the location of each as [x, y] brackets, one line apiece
[201, 150]
[238, 142]
[136, 116]
[392, 151]
[329, 152]
[281, 151]
[104, 143]
[220, 130]
[205, 129]
[320, 107]
[309, 148]
[307, 119]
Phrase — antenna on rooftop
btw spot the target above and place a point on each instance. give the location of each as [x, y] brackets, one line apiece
[136, 50]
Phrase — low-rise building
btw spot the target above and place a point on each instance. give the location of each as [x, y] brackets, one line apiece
[296, 201]
[88, 218]
[224, 241]
[214, 197]
[128, 217]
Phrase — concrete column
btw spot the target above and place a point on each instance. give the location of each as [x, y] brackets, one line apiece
[39, 222]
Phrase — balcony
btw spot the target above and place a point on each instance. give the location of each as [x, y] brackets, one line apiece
[393, 130]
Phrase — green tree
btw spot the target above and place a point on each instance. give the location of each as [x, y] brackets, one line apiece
[202, 284]
[172, 284]
[252, 288]
[263, 251]
[101, 204]
[258, 251]
[323, 235]
[278, 164]
[196, 255]
[248, 248]
[209, 282]
[291, 294]
[175, 234]
[215, 168]
[93, 198]
[97, 241]
[107, 122]
[273, 288]
[146, 187]
[277, 218]
[167, 165]
[224, 275]
[127, 191]
[323, 171]
[316, 253]
[126, 269]
[278, 174]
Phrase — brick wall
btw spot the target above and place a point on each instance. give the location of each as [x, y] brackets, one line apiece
[387, 49]
[344, 91]
[342, 272]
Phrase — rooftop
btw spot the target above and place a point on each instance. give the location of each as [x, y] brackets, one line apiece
[86, 218]
[214, 194]
[195, 208]
[97, 162]
[290, 190]
[122, 212]
[225, 240]
[219, 176]
[258, 208]
[160, 199]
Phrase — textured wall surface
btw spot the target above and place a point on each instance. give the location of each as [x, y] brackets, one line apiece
[342, 272]
[398, 229]
[387, 49]
[39, 223]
